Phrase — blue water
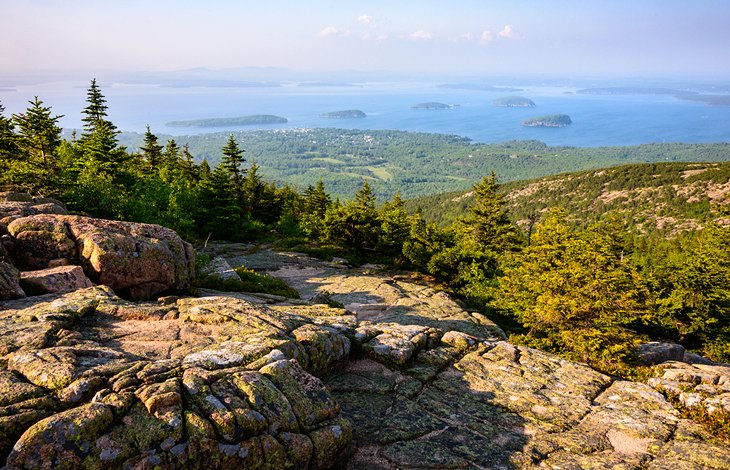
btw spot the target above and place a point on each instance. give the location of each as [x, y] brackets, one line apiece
[597, 120]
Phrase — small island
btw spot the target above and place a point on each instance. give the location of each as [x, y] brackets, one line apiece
[514, 102]
[253, 120]
[551, 120]
[433, 105]
[346, 114]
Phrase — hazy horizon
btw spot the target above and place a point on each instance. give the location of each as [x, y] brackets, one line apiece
[572, 38]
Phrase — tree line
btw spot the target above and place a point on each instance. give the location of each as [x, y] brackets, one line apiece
[589, 292]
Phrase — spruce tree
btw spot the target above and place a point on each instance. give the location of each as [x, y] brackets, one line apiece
[151, 150]
[95, 116]
[232, 163]
[38, 139]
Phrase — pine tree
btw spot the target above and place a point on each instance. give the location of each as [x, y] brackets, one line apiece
[8, 141]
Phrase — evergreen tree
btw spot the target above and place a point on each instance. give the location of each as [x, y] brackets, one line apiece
[488, 224]
[151, 150]
[95, 116]
[574, 295]
[8, 141]
[316, 199]
[38, 138]
[171, 155]
[217, 212]
[394, 226]
[187, 165]
[232, 162]
[8, 147]
[98, 142]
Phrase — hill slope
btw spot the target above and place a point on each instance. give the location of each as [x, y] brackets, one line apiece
[655, 196]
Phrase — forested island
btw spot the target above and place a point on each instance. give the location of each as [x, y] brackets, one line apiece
[433, 105]
[550, 120]
[252, 120]
[346, 114]
[513, 102]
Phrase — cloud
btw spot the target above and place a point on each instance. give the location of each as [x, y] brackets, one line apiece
[465, 37]
[332, 31]
[507, 32]
[421, 35]
[486, 37]
[366, 20]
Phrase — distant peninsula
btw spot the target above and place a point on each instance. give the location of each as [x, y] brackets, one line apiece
[632, 90]
[253, 120]
[479, 87]
[346, 114]
[551, 120]
[433, 105]
[514, 102]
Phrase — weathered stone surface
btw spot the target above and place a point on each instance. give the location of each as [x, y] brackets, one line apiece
[136, 260]
[10, 282]
[51, 280]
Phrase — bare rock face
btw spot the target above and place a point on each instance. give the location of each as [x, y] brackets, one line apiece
[59, 279]
[94, 381]
[136, 260]
[9, 282]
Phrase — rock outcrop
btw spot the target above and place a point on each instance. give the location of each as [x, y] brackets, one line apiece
[403, 378]
[136, 260]
[58, 279]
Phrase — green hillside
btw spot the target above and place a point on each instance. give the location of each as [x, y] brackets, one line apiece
[417, 164]
[658, 196]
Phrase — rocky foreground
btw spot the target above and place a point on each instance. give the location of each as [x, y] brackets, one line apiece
[402, 377]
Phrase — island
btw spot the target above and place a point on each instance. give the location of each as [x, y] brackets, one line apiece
[433, 105]
[550, 120]
[346, 114]
[252, 120]
[514, 102]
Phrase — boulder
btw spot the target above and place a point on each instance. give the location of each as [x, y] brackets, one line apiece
[58, 279]
[10, 282]
[656, 352]
[14, 205]
[139, 261]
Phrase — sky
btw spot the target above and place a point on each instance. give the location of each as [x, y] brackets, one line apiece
[586, 38]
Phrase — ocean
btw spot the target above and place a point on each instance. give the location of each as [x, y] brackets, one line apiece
[598, 120]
